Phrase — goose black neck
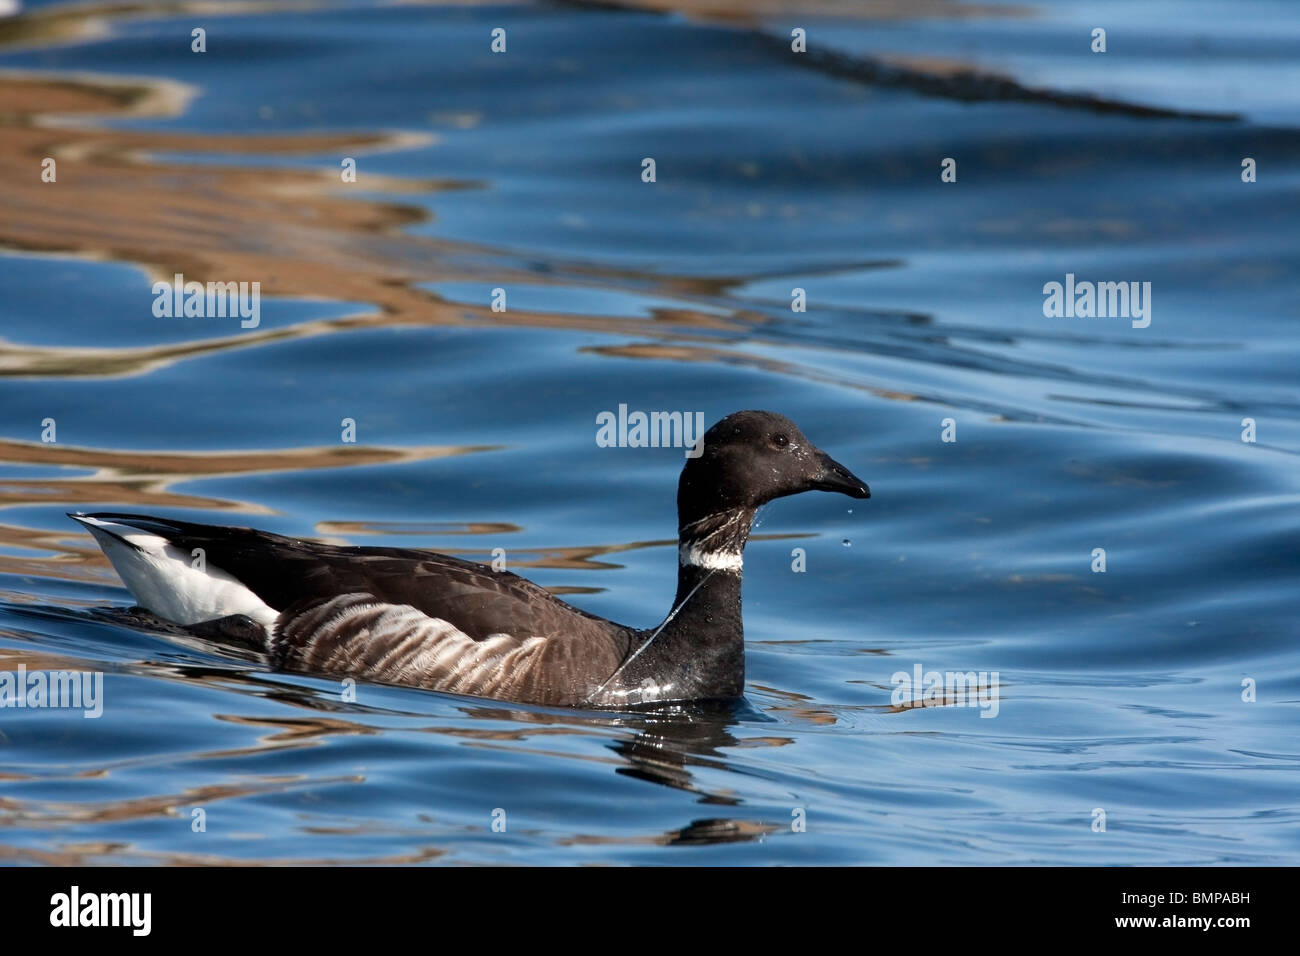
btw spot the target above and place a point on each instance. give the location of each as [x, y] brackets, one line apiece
[701, 647]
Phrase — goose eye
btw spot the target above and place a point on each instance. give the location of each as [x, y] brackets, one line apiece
[780, 441]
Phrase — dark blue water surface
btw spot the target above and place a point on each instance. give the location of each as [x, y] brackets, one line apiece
[1162, 695]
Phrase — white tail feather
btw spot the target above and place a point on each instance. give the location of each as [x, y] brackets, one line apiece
[165, 580]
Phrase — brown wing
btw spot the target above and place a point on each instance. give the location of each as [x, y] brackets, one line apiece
[361, 635]
[410, 617]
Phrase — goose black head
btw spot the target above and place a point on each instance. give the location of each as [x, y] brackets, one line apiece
[752, 457]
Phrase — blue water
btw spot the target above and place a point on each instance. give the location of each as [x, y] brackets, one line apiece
[1120, 694]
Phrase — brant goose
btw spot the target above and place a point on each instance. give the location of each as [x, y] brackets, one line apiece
[428, 620]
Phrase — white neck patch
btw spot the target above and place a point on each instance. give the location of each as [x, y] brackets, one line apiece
[696, 556]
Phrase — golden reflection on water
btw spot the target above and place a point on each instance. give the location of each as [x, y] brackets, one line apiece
[142, 480]
[83, 22]
[296, 230]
